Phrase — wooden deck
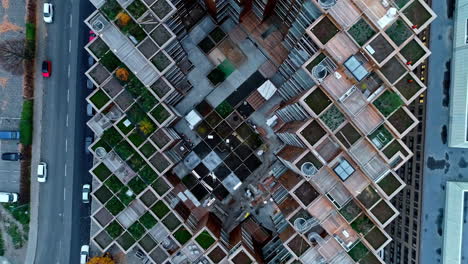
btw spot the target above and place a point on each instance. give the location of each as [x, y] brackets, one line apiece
[356, 182]
[321, 208]
[341, 47]
[336, 225]
[355, 102]
[272, 44]
[368, 120]
[376, 167]
[372, 8]
[345, 13]
[340, 194]
[330, 249]
[362, 152]
[324, 180]
[328, 149]
[337, 86]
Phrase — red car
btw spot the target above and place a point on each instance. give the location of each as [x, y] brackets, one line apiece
[46, 69]
[92, 35]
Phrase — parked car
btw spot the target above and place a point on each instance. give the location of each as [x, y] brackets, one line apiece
[84, 253]
[42, 172]
[8, 197]
[89, 84]
[11, 156]
[9, 135]
[46, 69]
[89, 110]
[90, 61]
[92, 35]
[85, 193]
[48, 13]
[88, 142]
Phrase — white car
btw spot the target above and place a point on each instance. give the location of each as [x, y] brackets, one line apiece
[48, 13]
[8, 197]
[85, 193]
[42, 172]
[84, 253]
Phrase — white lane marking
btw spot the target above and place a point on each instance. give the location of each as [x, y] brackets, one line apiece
[64, 193]
[71, 21]
[68, 95]
[65, 169]
[69, 70]
[66, 146]
[67, 120]
[69, 45]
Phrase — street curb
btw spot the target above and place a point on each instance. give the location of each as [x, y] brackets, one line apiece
[36, 147]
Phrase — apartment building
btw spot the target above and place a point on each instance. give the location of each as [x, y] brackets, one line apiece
[343, 71]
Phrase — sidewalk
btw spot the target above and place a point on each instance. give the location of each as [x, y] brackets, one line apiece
[37, 140]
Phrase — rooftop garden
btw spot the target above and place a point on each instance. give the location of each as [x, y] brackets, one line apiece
[382, 49]
[171, 222]
[160, 186]
[399, 32]
[102, 172]
[361, 32]
[160, 138]
[358, 251]
[316, 61]
[306, 193]
[408, 86]
[333, 118]
[217, 35]
[147, 149]
[110, 61]
[313, 132]
[381, 137]
[182, 235]
[99, 74]
[126, 240]
[298, 245]
[160, 209]
[383, 212]
[400, 120]
[401, 3]
[160, 114]
[393, 70]
[310, 157]
[124, 126]
[221, 72]
[389, 184]
[129, 27]
[393, 149]
[161, 35]
[417, 13]
[325, 30]
[224, 109]
[388, 102]
[368, 197]
[99, 99]
[161, 8]
[376, 238]
[111, 9]
[350, 211]
[147, 100]
[148, 48]
[98, 48]
[412, 51]
[317, 101]
[348, 135]
[147, 243]
[160, 162]
[103, 194]
[160, 87]
[205, 240]
[161, 61]
[114, 229]
[370, 258]
[362, 224]
[137, 9]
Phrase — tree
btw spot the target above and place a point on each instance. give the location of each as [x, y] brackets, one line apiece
[146, 127]
[13, 53]
[106, 259]
[123, 19]
[122, 74]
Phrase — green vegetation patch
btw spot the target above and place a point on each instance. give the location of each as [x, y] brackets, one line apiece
[103, 194]
[148, 221]
[417, 13]
[147, 149]
[20, 212]
[114, 184]
[136, 230]
[224, 109]
[388, 102]
[114, 229]
[362, 224]
[99, 99]
[368, 197]
[148, 174]
[333, 118]
[381, 137]
[160, 209]
[125, 129]
[358, 251]
[147, 101]
[413, 51]
[26, 123]
[111, 8]
[393, 149]
[115, 206]
[160, 186]
[17, 238]
[160, 113]
[317, 101]
[205, 240]
[126, 196]
[325, 30]
[350, 211]
[110, 61]
[182, 235]
[389, 184]
[102, 172]
[137, 185]
[399, 32]
[111, 136]
[136, 138]
[361, 32]
[124, 150]
[161, 61]
[136, 162]
[137, 8]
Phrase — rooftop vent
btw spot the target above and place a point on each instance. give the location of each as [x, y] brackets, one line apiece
[327, 4]
[319, 72]
[308, 169]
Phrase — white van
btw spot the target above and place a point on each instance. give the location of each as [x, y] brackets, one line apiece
[42, 172]
[7, 197]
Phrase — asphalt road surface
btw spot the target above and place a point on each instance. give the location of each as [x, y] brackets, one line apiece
[63, 220]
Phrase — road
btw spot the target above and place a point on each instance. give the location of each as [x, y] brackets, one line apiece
[63, 220]
[442, 163]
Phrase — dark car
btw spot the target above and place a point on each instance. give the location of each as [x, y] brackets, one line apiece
[46, 69]
[11, 156]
